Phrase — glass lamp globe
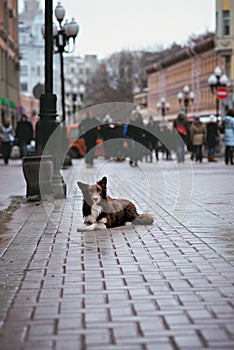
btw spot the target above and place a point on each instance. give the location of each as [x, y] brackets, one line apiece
[191, 95]
[59, 12]
[180, 96]
[212, 79]
[218, 71]
[72, 29]
[224, 79]
[186, 89]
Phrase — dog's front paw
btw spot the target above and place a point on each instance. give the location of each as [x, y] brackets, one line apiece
[128, 223]
[82, 228]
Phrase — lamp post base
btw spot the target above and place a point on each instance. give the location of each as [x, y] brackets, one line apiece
[48, 140]
[38, 172]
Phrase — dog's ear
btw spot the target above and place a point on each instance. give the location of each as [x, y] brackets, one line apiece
[81, 185]
[103, 182]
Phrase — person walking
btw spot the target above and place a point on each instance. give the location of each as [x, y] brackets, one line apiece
[134, 133]
[23, 134]
[88, 129]
[6, 138]
[198, 138]
[211, 138]
[182, 127]
[105, 132]
[228, 122]
[152, 138]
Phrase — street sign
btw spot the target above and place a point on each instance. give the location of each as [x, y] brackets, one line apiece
[221, 93]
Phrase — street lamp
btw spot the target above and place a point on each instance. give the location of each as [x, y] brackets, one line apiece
[163, 106]
[216, 80]
[186, 96]
[47, 123]
[62, 40]
[81, 91]
[75, 94]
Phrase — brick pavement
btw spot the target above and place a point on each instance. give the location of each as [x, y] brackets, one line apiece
[166, 286]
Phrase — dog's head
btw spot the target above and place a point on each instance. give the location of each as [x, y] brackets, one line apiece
[93, 193]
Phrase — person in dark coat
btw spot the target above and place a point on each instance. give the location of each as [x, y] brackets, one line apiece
[134, 134]
[88, 129]
[23, 134]
[211, 138]
[182, 127]
[105, 133]
[152, 138]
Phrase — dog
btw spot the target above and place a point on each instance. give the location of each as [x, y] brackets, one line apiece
[100, 211]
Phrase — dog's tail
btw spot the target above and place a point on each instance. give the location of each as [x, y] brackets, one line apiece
[143, 219]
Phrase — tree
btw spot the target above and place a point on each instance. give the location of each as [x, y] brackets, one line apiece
[117, 78]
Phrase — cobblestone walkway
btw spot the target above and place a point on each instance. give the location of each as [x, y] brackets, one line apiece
[148, 288]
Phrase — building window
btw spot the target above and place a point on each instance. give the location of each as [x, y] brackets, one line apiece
[24, 86]
[228, 66]
[23, 70]
[226, 23]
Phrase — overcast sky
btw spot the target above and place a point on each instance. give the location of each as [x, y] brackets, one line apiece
[107, 26]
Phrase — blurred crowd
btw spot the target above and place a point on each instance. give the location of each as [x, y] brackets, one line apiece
[149, 139]
[15, 140]
[145, 141]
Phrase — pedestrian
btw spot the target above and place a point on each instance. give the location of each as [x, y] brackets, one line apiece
[228, 122]
[211, 137]
[152, 138]
[6, 139]
[165, 139]
[105, 133]
[88, 129]
[23, 134]
[182, 129]
[198, 138]
[134, 134]
[117, 134]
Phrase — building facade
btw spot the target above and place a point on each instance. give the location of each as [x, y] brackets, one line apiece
[224, 37]
[190, 66]
[78, 71]
[31, 44]
[9, 60]
[32, 58]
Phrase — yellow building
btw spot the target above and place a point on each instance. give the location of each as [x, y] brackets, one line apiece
[225, 35]
[189, 66]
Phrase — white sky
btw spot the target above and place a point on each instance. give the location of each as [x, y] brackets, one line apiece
[107, 26]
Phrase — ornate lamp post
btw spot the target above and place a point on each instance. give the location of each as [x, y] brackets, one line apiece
[163, 106]
[186, 96]
[75, 93]
[47, 124]
[81, 91]
[216, 80]
[62, 38]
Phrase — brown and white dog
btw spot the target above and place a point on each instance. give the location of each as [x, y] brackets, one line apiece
[100, 211]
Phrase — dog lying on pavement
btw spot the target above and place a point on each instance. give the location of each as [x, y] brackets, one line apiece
[100, 211]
